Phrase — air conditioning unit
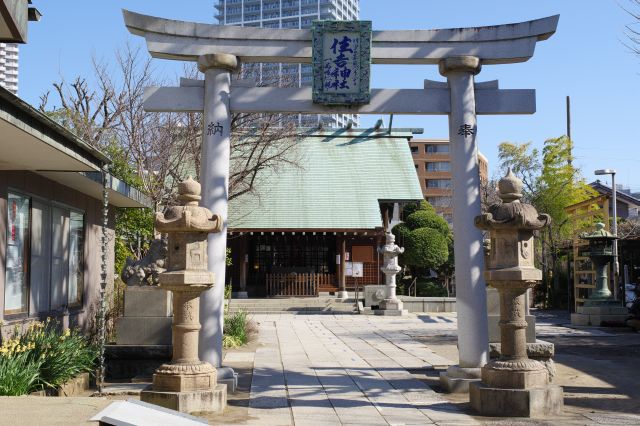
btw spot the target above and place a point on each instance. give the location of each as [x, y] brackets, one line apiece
[374, 294]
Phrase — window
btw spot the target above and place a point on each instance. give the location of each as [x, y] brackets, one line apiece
[439, 201]
[45, 256]
[67, 257]
[17, 257]
[438, 183]
[76, 258]
[436, 148]
[414, 149]
[438, 166]
[293, 254]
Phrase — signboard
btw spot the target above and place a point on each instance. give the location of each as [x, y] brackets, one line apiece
[348, 269]
[357, 270]
[341, 62]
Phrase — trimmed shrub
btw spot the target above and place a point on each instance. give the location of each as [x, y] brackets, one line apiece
[426, 248]
[414, 207]
[427, 219]
[400, 231]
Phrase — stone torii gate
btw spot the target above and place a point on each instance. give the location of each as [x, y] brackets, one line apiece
[458, 52]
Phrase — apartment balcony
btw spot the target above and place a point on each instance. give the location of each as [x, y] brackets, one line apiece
[251, 8]
[249, 18]
[271, 6]
[437, 192]
[287, 5]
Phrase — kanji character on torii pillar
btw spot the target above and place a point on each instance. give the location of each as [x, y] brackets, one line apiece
[458, 52]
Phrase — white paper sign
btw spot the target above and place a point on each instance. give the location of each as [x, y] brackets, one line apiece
[357, 269]
[348, 269]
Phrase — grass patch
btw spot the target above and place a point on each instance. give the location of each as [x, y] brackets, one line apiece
[237, 330]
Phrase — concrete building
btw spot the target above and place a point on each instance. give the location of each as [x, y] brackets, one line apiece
[52, 207]
[51, 219]
[289, 14]
[433, 166]
[9, 67]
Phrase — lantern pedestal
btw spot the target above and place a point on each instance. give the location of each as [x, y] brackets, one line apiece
[502, 402]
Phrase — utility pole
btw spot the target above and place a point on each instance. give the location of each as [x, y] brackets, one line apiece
[569, 124]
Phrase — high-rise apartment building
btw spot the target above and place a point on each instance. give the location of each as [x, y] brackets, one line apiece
[9, 67]
[289, 14]
[433, 166]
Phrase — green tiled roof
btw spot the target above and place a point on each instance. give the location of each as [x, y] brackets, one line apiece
[341, 178]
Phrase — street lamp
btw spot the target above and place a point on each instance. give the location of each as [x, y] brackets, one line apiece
[614, 226]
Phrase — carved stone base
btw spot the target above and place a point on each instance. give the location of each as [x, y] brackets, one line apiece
[210, 400]
[536, 402]
[391, 312]
[541, 351]
[184, 377]
[522, 374]
[391, 304]
[391, 308]
[457, 379]
[342, 295]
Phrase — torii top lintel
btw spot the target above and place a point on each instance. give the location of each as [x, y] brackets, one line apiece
[186, 41]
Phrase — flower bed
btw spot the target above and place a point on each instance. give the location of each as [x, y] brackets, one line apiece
[43, 357]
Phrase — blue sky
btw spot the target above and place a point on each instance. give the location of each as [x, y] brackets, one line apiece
[586, 59]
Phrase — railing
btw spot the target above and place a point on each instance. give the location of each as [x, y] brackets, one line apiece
[294, 284]
[413, 286]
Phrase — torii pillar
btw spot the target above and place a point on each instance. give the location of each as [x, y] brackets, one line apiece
[214, 178]
[471, 304]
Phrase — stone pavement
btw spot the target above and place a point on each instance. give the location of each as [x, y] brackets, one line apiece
[350, 369]
[325, 370]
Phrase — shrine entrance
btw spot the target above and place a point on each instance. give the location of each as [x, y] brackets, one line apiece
[459, 53]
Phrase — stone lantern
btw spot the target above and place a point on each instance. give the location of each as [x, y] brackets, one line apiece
[186, 384]
[391, 305]
[513, 385]
[600, 253]
[600, 308]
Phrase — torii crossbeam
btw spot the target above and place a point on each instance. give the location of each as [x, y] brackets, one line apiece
[459, 53]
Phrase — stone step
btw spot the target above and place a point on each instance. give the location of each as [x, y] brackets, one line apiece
[322, 305]
[351, 309]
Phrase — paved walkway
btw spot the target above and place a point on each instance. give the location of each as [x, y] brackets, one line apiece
[323, 370]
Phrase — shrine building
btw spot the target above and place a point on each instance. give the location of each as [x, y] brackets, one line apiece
[298, 233]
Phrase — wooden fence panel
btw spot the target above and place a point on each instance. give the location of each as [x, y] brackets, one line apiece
[297, 285]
